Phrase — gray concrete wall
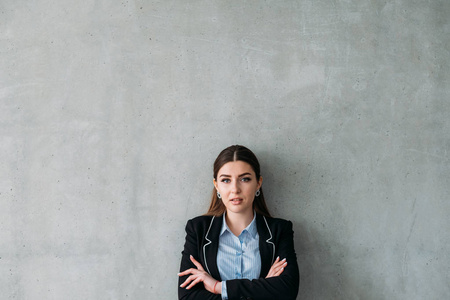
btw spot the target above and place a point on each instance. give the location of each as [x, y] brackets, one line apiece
[112, 112]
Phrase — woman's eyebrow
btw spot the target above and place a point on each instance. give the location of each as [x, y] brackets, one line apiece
[244, 174]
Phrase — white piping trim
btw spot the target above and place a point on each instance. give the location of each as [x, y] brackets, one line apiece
[209, 242]
[267, 241]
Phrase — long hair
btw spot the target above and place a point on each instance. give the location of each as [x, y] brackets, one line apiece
[237, 153]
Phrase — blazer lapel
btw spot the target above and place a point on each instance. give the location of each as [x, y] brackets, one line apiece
[266, 245]
[211, 247]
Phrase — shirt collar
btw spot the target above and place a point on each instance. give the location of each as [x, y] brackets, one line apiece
[251, 228]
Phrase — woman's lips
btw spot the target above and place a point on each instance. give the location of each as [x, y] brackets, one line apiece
[236, 201]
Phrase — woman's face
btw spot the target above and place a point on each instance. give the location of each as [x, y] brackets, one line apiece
[237, 185]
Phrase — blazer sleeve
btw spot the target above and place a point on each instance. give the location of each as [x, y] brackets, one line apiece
[283, 287]
[191, 247]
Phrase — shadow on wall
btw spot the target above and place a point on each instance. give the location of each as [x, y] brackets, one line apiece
[324, 267]
[321, 274]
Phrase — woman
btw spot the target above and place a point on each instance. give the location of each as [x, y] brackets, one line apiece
[236, 250]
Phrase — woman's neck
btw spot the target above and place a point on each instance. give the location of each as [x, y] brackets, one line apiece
[237, 222]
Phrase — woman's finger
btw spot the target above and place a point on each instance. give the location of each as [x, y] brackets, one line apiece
[280, 270]
[188, 271]
[194, 283]
[277, 268]
[189, 279]
[271, 273]
[278, 273]
[279, 263]
[275, 262]
[196, 263]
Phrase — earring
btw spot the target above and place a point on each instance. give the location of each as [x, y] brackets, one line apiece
[218, 195]
[258, 192]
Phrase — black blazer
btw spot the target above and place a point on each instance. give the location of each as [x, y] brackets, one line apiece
[275, 239]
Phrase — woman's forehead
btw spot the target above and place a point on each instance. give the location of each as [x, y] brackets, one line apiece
[236, 168]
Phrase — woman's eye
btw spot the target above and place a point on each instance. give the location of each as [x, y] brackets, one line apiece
[246, 179]
[226, 180]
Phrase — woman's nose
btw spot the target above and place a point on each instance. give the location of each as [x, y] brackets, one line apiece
[235, 187]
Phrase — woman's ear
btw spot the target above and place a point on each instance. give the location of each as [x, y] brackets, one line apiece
[260, 182]
[215, 184]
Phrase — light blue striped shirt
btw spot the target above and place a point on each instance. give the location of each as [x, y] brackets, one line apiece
[238, 257]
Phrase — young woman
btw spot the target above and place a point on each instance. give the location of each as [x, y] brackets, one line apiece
[236, 250]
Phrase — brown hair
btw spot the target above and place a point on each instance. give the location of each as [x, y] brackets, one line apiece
[237, 153]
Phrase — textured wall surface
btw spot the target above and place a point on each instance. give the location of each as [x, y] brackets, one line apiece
[112, 112]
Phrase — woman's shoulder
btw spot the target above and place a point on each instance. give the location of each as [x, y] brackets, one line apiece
[202, 220]
[275, 222]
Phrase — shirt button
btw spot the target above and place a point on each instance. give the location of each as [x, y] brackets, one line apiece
[238, 253]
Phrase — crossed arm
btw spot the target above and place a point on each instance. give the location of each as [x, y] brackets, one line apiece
[281, 282]
[214, 286]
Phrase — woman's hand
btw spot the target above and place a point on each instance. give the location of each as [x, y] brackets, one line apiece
[199, 275]
[277, 267]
